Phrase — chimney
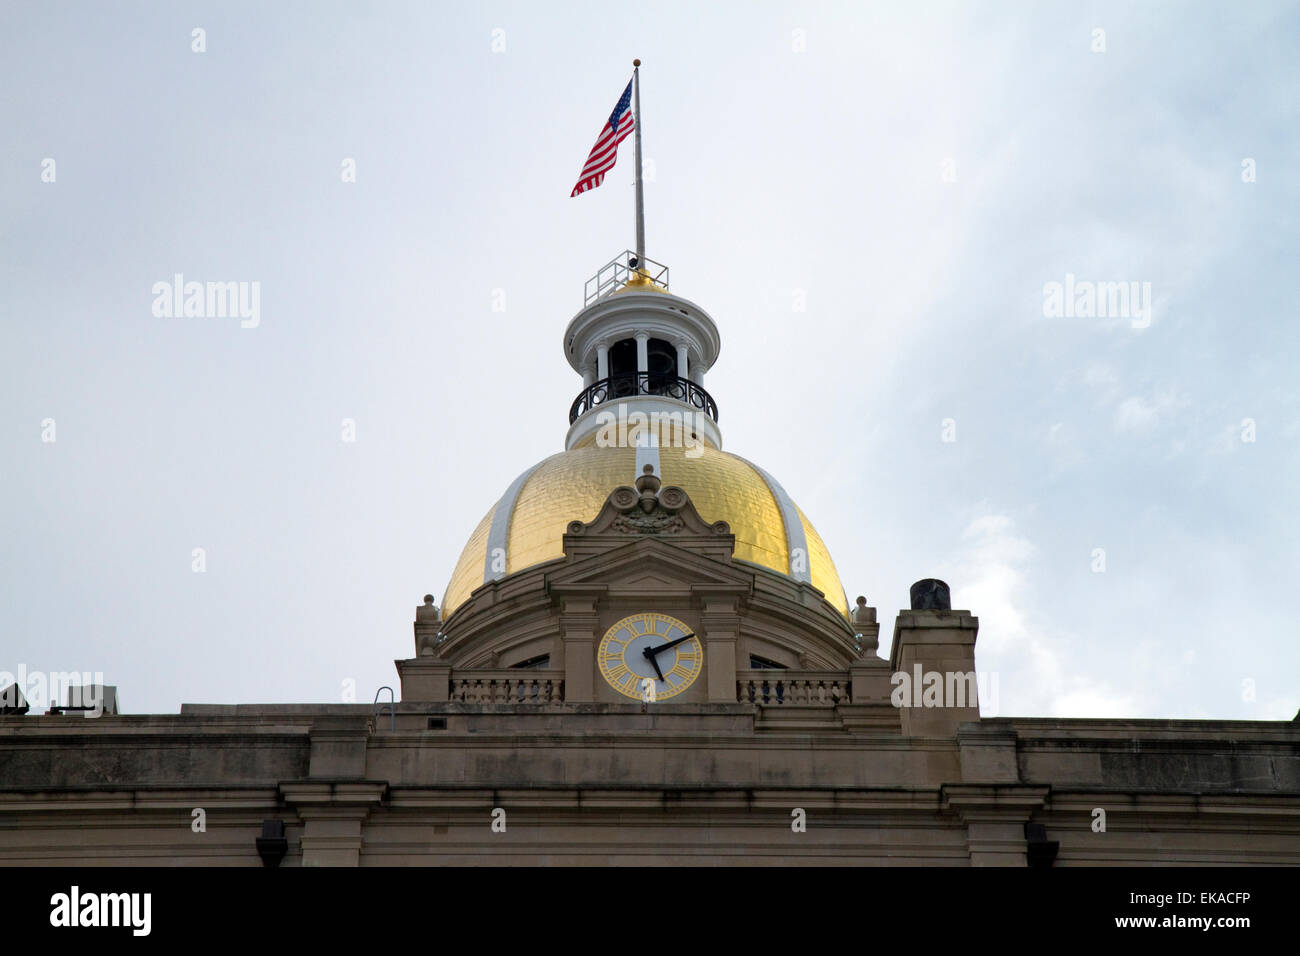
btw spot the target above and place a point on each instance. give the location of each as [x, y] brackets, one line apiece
[933, 659]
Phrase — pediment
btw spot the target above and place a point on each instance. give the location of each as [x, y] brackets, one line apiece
[649, 513]
[648, 565]
[649, 540]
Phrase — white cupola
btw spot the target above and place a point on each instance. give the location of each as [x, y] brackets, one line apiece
[638, 346]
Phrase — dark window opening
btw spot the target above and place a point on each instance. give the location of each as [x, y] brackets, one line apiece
[533, 663]
[661, 359]
[757, 663]
[622, 368]
[622, 357]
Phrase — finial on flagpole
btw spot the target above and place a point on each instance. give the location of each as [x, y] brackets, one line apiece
[636, 62]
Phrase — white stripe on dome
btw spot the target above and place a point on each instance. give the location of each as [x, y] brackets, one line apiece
[647, 454]
[796, 541]
[499, 533]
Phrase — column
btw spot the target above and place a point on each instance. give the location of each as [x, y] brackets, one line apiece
[643, 352]
[682, 353]
[588, 376]
[602, 361]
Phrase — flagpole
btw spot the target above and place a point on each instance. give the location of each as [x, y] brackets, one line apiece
[640, 197]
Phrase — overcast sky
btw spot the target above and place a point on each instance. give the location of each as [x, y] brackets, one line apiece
[869, 200]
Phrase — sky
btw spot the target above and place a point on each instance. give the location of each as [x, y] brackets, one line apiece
[872, 201]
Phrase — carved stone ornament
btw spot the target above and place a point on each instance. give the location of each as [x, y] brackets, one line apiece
[649, 509]
[659, 521]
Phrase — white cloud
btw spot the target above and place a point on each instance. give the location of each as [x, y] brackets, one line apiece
[1138, 413]
[1039, 673]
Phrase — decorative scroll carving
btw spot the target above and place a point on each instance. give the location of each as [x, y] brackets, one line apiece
[659, 521]
[649, 509]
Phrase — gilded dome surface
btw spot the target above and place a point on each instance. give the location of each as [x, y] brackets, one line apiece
[530, 519]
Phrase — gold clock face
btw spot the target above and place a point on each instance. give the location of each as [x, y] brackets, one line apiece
[650, 656]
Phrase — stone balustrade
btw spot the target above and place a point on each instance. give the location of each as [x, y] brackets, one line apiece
[796, 688]
[508, 686]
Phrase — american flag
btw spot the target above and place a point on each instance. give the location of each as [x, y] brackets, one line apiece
[605, 152]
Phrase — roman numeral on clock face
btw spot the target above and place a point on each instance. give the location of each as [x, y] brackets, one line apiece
[618, 672]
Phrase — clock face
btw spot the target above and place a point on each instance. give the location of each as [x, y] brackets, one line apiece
[626, 664]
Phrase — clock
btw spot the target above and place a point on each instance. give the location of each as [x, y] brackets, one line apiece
[650, 647]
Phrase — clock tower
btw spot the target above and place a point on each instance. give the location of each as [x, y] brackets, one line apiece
[643, 563]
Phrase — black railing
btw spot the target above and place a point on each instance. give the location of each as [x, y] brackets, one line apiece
[630, 384]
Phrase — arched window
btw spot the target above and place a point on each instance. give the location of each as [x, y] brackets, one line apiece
[661, 363]
[622, 368]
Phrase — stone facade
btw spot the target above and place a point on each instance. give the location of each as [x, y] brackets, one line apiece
[802, 760]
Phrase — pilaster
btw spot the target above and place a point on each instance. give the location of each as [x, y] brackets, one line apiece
[578, 623]
[332, 814]
[721, 623]
[995, 818]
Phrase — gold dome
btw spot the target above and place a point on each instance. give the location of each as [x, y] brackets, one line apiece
[573, 485]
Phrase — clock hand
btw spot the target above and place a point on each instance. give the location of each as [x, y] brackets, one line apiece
[651, 651]
[649, 654]
[656, 666]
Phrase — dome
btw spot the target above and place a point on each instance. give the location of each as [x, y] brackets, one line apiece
[530, 520]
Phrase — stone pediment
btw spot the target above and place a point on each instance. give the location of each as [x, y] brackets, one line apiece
[648, 539]
[649, 512]
[647, 565]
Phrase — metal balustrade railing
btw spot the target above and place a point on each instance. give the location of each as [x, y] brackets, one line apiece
[632, 384]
